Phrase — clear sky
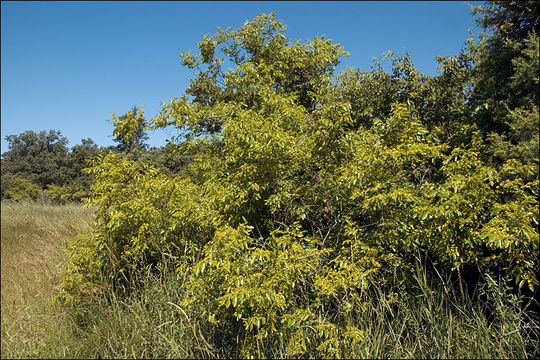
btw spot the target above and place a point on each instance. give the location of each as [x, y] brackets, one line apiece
[68, 65]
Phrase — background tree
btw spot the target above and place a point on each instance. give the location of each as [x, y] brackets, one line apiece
[506, 88]
[41, 163]
[77, 185]
[37, 157]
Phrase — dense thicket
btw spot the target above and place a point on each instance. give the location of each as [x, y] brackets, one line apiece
[302, 189]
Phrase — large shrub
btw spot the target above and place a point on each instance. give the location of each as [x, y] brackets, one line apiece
[295, 201]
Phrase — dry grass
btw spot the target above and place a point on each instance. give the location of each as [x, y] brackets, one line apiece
[33, 240]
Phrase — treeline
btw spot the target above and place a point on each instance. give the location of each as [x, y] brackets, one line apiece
[41, 166]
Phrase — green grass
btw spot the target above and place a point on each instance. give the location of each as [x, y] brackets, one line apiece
[429, 320]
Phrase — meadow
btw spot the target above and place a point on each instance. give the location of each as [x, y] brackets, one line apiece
[434, 322]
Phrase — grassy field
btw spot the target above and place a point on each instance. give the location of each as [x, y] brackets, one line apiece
[33, 252]
[435, 322]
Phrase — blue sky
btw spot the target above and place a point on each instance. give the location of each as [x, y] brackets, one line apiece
[68, 65]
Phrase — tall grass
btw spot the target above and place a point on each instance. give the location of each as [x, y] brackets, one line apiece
[429, 318]
[147, 324]
[33, 239]
[434, 319]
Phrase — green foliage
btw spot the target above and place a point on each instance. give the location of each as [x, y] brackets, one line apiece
[520, 141]
[18, 188]
[303, 192]
[129, 130]
[506, 88]
[44, 161]
[141, 213]
[36, 156]
[65, 193]
[509, 19]
[166, 158]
